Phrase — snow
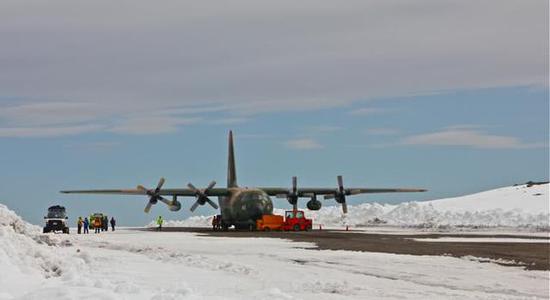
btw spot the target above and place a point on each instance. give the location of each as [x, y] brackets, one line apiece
[515, 206]
[129, 264]
[532, 200]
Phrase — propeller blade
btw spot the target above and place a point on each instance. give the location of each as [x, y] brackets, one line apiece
[194, 206]
[141, 188]
[345, 207]
[148, 207]
[294, 184]
[211, 185]
[295, 206]
[160, 184]
[191, 186]
[340, 183]
[214, 205]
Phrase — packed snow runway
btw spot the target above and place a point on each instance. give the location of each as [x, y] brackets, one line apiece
[130, 264]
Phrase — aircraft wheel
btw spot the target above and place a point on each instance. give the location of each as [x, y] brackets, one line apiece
[251, 227]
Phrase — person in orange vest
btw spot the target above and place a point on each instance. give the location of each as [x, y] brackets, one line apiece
[97, 224]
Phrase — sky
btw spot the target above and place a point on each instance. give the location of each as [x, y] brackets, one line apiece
[450, 96]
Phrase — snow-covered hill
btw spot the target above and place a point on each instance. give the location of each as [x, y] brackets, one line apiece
[27, 257]
[515, 206]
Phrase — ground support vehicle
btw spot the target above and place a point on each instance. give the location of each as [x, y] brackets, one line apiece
[270, 222]
[293, 221]
[92, 218]
[56, 220]
[296, 221]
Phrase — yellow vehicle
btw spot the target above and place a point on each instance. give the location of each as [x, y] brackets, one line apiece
[92, 218]
[270, 222]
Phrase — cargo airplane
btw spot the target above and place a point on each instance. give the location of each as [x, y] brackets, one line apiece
[242, 206]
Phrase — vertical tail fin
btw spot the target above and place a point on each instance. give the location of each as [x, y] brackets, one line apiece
[231, 171]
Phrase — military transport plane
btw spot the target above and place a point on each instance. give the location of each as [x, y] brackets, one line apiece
[242, 206]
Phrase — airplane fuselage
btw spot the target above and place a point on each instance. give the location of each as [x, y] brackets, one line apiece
[244, 206]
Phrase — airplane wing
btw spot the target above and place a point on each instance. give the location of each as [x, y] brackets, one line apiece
[163, 192]
[306, 192]
[339, 194]
[155, 195]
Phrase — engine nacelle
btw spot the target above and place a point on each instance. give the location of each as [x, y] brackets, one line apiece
[314, 204]
[176, 205]
[292, 199]
[340, 198]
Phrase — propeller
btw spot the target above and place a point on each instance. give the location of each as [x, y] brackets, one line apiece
[154, 196]
[202, 196]
[292, 195]
[340, 194]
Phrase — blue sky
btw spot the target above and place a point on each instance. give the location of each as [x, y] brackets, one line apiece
[366, 147]
[450, 96]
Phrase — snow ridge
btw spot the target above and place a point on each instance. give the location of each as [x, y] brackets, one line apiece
[28, 256]
[516, 206]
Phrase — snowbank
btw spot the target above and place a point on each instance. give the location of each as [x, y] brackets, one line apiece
[194, 221]
[516, 206]
[28, 257]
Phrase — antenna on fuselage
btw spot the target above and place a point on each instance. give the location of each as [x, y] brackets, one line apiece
[231, 171]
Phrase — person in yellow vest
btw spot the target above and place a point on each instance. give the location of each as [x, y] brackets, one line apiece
[79, 224]
[159, 223]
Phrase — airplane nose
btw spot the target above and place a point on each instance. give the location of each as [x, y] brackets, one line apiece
[262, 207]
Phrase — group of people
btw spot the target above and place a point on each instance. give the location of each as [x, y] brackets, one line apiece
[99, 224]
[216, 222]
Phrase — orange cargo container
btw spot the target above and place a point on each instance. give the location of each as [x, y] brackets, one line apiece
[270, 222]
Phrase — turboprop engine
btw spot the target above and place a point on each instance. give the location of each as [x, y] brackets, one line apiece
[175, 205]
[314, 204]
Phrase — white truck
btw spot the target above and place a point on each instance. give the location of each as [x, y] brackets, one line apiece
[56, 220]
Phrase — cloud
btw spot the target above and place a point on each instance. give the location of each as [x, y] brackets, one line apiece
[139, 125]
[54, 119]
[243, 59]
[43, 132]
[94, 146]
[229, 121]
[381, 131]
[303, 144]
[469, 138]
[324, 128]
[366, 111]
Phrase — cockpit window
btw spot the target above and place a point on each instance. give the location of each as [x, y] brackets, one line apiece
[299, 215]
[289, 214]
[255, 196]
